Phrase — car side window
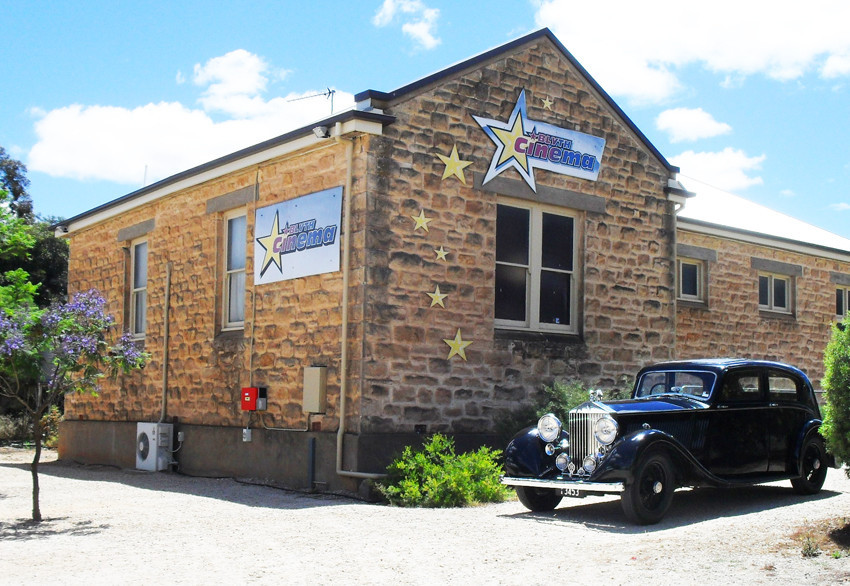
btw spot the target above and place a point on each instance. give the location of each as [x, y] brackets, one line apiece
[740, 387]
[782, 388]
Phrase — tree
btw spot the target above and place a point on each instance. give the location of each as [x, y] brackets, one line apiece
[836, 382]
[13, 178]
[47, 353]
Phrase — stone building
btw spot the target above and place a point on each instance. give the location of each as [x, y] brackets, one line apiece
[436, 255]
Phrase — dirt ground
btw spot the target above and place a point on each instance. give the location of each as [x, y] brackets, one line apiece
[103, 524]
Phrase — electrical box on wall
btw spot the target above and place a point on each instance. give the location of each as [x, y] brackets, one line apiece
[254, 399]
[315, 389]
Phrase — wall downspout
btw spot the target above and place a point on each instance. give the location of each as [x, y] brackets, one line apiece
[346, 264]
[164, 408]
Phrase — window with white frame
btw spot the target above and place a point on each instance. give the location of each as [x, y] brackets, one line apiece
[138, 288]
[775, 293]
[234, 271]
[842, 296]
[691, 285]
[535, 268]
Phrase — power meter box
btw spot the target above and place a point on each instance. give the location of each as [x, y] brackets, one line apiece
[254, 399]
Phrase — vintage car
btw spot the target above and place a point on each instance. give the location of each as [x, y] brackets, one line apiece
[719, 422]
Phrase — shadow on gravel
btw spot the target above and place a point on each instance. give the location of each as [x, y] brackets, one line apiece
[689, 507]
[25, 529]
[248, 492]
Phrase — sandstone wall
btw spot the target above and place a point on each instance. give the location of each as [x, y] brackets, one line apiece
[730, 324]
[626, 284]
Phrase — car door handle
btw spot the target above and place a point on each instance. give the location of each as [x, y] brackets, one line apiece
[773, 404]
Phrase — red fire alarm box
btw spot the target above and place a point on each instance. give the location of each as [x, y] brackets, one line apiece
[254, 399]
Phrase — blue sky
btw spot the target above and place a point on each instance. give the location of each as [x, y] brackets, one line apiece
[100, 98]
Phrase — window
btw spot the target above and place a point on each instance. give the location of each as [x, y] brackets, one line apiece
[740, 387]
[842, 295]
[138, 289]
[535, 269]
[691, 284]
[781, 387]
[234, 272]
[775, 293]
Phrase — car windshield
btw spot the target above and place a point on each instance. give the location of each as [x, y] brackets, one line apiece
[694, 384]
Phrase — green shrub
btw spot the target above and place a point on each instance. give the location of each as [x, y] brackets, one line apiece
[836, 383]
[435, 476]
[15, 428]
[50, 427]
[561, 397]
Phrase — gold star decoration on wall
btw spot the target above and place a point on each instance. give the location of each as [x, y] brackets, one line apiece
[454, 166]
[421, 221]
[458, 346]
[437, 297]
[441, 253]
[547, 103]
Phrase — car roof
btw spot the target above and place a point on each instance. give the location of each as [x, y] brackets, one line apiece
[719, 365]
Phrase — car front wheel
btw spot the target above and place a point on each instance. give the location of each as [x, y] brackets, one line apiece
[813, 467]
[538, 499]
[647, 498]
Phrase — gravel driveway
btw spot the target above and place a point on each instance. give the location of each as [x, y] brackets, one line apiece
[109, 525]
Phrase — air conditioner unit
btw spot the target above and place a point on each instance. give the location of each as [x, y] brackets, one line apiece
[153, 445]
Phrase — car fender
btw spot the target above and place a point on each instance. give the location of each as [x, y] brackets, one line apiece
[620, 462]
[525, 455]
[811, 427]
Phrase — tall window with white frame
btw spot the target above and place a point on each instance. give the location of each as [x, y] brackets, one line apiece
[139, 289]
[234, 273]
[535, 269]
[775, 293]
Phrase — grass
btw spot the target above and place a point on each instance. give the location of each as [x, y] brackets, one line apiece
[831, 536]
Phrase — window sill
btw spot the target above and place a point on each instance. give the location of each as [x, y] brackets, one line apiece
[231, 334]
[535, 336]
[767, 314]
[692, 304]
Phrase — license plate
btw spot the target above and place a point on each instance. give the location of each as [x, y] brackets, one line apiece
[572, 492]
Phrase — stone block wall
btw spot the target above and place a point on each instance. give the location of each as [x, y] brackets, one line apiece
[626, 307]
[730, 324]
[291, 324]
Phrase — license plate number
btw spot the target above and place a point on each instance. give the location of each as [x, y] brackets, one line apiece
[572, 492]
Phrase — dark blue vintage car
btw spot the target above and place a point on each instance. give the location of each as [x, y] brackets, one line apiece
[721, 423]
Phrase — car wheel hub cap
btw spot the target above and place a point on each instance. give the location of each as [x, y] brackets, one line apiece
[657, 488]
[816, 465]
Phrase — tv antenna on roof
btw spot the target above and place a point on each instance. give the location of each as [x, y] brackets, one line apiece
[329, 94]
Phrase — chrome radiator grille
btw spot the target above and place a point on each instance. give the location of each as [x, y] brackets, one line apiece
[581, 422]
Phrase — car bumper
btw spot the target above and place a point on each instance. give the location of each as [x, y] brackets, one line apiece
[581, 485]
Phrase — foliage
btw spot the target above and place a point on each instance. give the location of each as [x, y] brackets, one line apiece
[50, 426]
[13, 179]
[561, 397]
[436, 476]
[836, 382]
[810, 548]
[46, 353]
[14, 428]
[16, 238]
[46, 263]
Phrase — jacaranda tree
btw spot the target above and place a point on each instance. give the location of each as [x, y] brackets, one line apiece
[47, 353]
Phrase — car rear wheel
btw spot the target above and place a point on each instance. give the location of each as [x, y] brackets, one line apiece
[813, 467]
[647, 498]
[538, 499]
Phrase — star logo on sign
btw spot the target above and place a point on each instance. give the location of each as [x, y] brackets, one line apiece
[504, 135]
[457, 345]
[267, 242]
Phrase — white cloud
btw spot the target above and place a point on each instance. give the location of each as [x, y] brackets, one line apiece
[116, 144]
[727, 170]
[689, 124]
[642, 44]
[419, 21]
[787, 193]
[839, 207]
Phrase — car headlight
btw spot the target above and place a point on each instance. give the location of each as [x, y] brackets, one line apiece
[549, 427]
[562, 461]
[606, 430]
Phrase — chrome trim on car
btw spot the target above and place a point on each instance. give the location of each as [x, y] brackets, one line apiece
[609, 487]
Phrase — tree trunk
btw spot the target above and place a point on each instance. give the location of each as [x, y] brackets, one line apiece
[36, 428]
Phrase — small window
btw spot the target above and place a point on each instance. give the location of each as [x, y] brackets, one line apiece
[741, 387]
[775, 293]
[138, 289]
[234, 279]
[842, 294]
[691, 285]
